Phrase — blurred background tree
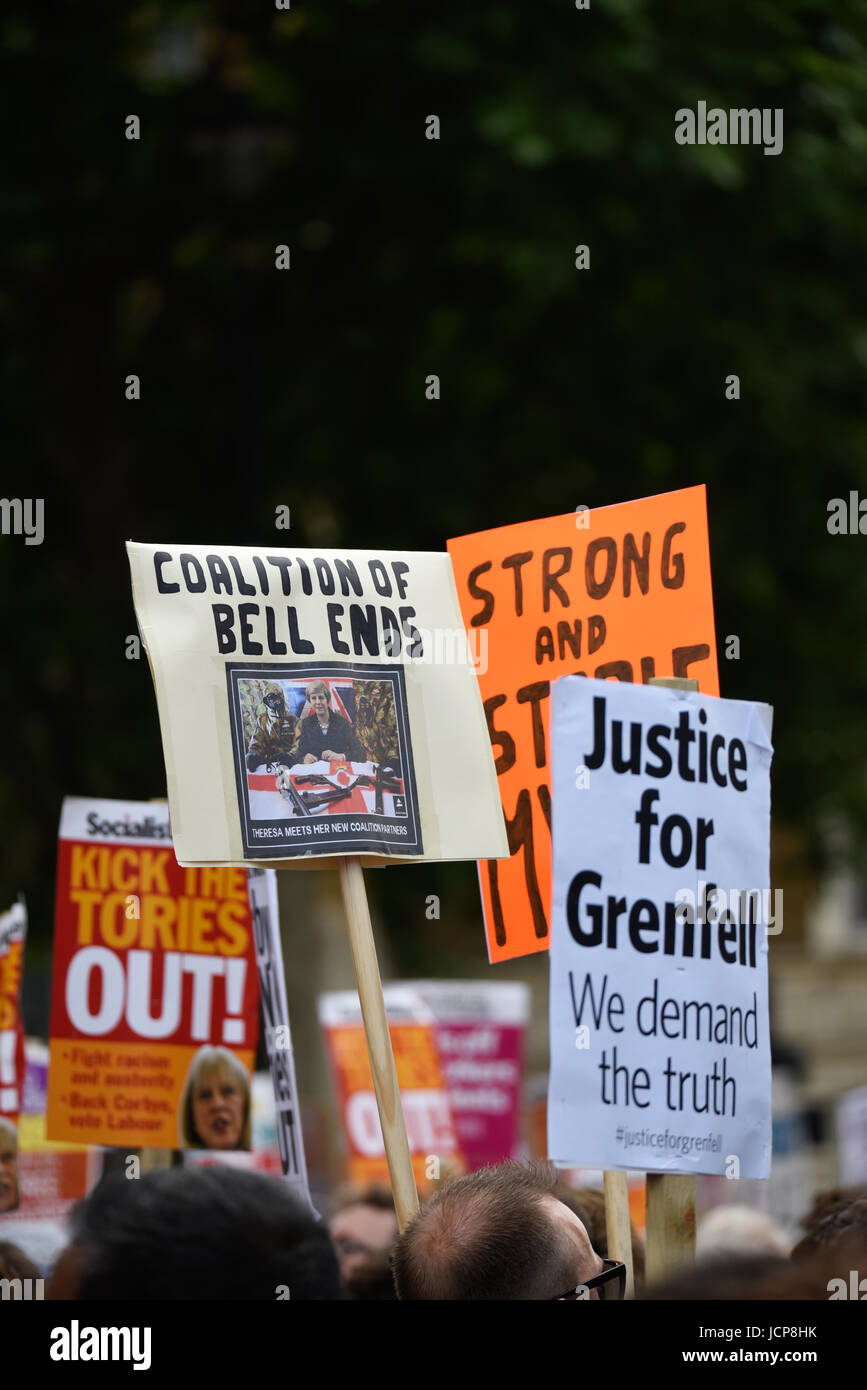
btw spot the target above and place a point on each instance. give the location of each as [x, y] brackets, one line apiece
[305, 388]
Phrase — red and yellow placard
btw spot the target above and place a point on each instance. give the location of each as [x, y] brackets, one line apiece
[154, 983]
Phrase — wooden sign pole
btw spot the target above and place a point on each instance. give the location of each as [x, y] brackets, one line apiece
[670, 1224]
[378, 1040]
[617, 1225]
[670, 1198]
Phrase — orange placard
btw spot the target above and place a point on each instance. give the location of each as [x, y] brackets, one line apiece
[430, 1125]
[618, 593]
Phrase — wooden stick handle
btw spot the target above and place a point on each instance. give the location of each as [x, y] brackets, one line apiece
[150, 1159]
[670, 1224]
[378, 1040]
[617, 1224]
[674, 683]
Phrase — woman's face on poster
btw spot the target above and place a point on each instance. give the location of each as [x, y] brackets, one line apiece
[319, 702]
[218, 1110]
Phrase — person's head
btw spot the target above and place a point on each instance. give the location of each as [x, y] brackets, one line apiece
[204, 1233]
[9, 1196]
[829, 1200]
[215, 1106]
[496, 1234]
[738, 1230]
[588, 1204]
[823, 1275]
[363, 1231]
[844, 1221]
[726, 1278]
[275, 701]
[319, 699]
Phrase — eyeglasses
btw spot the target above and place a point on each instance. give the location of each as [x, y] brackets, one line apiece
[608, 1290]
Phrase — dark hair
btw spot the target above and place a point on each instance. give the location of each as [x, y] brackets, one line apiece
[766, 1278]
[372, 1281]
[844, 1219]
[721, 1279]
[827, 1201]
[486, 1236]
[212, 1232]
[14, 1264]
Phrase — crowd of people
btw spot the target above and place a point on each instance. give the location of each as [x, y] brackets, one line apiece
[510, 1231]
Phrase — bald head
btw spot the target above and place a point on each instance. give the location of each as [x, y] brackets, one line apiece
[496, 1234]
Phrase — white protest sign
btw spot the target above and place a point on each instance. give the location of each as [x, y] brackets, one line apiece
[660, 1050]
[315, 704]
[262, 884]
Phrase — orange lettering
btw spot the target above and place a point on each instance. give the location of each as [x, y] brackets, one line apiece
[114, 934]
[120, 858]
[234, 931]
[85, 901]
[82, 869]
[153, 871]
[157, 918]
[202, 935]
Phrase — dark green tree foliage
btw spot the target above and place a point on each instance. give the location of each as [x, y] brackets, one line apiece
[409, 256]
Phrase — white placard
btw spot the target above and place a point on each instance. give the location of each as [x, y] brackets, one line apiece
[315, 704]
[661, 910]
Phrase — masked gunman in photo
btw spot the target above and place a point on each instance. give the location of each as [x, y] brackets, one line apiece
[326, 735]
[375, 722]
[275, 732]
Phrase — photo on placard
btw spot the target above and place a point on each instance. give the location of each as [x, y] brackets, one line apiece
[10, 1192]
[215, 1104]
[323, 759]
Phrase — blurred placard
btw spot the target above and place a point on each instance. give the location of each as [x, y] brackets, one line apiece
[481, 1025]
[154, 1009]
[430, 1125]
